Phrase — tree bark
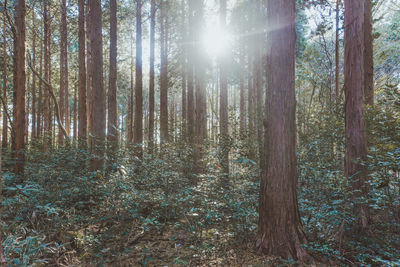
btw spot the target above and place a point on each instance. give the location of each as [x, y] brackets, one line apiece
[279, 227]
[82, 117]
[98, 113]
[112, 133]
[337, 67]
[5, 67]
[63, 58]
[190, 77]
[138, 128]
[46, 51]
[223, 100]
[20, 86]
[151, 85]
[354, 78]
[368, 55]
[33, 129]
[164, 135]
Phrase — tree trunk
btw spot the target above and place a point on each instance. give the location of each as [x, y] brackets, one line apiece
[98, 114]
[190, 77]
[223, 100]
[354, 77]
[20, 86]
[75, 125]
[151, 85]
[89, 66]
[130, 114]
[242, 94]
[112, 133]
[33, 129]
[164, 75]
[279, 228]
[63, 58]
[5, 66]
[368, 55]
[138, 129]
[337, 67]
[46, 115]
[82, 131]
[184, 66]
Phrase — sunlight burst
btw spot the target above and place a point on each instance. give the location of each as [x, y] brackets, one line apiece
[216, 41]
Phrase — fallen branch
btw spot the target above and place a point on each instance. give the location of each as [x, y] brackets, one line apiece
[53, 96]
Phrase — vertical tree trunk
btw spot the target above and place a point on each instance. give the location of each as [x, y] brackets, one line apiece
[130, 114]
[337, 77]
[151, 85]
[223, 100]
[20, 86]
[279, 228]
[190, 77]
[184, 66]
[368, 55]
[46, 115]
[138, 130]
[98, 113]
[356, 145]
[33, 129]
[5, 66]
[75, 125]
[163, 74]
[89, 66]
[63, 58]
[242, 94]
[82, 131]
[112, 133]
[40, 93]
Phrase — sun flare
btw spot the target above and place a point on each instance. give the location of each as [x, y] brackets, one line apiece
[216, 41]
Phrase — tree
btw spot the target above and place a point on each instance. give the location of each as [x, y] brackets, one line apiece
[112, 132]
[5, 64]
[63, 69]
[151, 81]
[46, 51]
[190, 76]
[33, 129]
[223, 100]
[164, 73]
[82, 117]
[98, 114]
[354, 82]
[368, 54]
[279, 228]
[20, 86]
[138, 135]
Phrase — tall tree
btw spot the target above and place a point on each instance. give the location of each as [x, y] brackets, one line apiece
[223, 100]
[164, 73]
[279, 228]
[190, 75]
[46, 51]
[5, 65]
[63, 67]
[98, 113]
[82, 117]
[368, 55]
[337, 70]
[151, 81]
[138, 129]
[354, 78]
[112, 132]
[33, 129]
[20, 86]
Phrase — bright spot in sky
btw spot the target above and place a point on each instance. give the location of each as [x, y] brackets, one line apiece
[216, 42]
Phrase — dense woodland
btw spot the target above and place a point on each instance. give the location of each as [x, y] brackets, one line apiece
[200, 132]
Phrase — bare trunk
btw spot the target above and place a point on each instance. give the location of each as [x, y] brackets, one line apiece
[63, 58]
[130, 114]
[89, 66]
[82, 131]
[138, 130]
[98, 114]
[368, 55]
[5, 66]
[164, 75]
[46, 115]
[190, 77]
[33, 129]
[151, 85]
[337, 77]
[20, 86]
[356, 146]
[112, 133]
[279, 228]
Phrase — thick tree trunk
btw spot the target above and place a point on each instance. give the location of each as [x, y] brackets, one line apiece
[190, 77]
[337, 67]
[151, 85]
[5, 66]
[368, 55]
[354, 77]
[223, 101]
[75, 125]
[112, 133]
[138, 129]
[20, 86]
[39, 123]
[130, 114]
[164, 135]
[279, 228]
[98, 113]
[89, 66]
[82, 117]
[184, 66]
[242, 95]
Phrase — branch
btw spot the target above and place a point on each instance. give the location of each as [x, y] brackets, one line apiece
[50, 89]
[14, 31]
